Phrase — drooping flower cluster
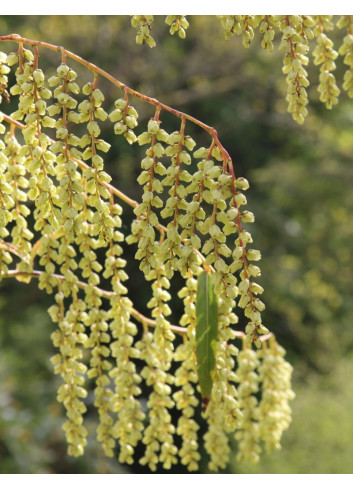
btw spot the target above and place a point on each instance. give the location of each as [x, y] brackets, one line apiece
[274, 413]
[192, 218]
[295, 32]
[266, 418]
[178, 23]
[143, 25]
[346, 50]
[243, 25]
[295, 46]
[324, 55]
[249, 447]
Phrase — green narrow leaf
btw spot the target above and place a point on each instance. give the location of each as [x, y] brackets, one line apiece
[206, 333]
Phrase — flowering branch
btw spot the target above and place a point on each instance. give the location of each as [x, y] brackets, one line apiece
[64, 52]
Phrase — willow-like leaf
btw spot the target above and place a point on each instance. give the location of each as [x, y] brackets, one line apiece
[206, 333]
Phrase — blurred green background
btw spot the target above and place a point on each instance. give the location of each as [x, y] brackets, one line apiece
[301, 195]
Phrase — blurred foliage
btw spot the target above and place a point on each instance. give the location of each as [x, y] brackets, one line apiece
[300, 193]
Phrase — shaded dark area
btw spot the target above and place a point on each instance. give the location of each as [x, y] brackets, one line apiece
[300, 192]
